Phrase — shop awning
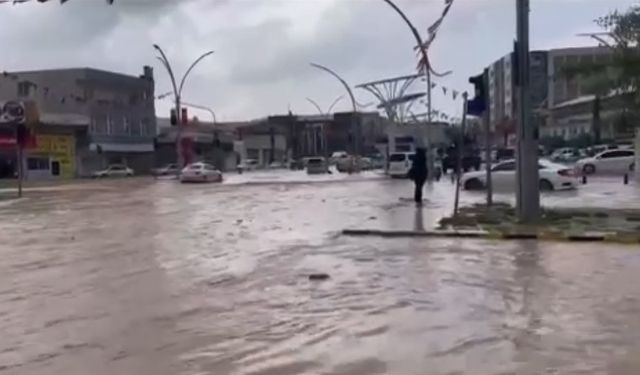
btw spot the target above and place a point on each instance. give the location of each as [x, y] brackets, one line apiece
[122, 147]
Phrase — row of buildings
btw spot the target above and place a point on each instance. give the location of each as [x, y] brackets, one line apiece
[86, 119]
[89, 118]
[562, 103]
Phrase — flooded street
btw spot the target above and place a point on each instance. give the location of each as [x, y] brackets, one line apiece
[153, 277]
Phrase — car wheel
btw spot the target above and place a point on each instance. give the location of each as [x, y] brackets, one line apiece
[589, 169]
[473, 184]
[545, 185]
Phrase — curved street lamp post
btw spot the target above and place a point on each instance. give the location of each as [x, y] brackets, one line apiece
[177, 93]
[354, 119]
[324, 125]
[425, 57]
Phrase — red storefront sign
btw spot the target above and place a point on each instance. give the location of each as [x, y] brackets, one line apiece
[10, 142]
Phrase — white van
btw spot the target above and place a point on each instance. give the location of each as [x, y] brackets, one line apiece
[400, 163]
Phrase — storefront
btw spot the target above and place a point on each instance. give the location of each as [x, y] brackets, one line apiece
[52, 156]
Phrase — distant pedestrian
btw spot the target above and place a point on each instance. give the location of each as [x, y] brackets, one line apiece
[418, 173]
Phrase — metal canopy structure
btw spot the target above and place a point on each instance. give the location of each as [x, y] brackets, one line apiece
[391, 95]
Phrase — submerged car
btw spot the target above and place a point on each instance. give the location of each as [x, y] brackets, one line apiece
[114, 170]
[608, 162]
[317, 165]
[200, 172]
[552, 176]
[167, 170]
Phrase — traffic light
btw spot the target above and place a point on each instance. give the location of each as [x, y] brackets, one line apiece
[478, 104]
[184, 116]
[173, 118]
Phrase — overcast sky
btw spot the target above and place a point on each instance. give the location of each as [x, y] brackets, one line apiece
[263, 47]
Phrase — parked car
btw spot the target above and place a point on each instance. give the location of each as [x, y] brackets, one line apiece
[200, 172]
[503, 176]
[317, 165]
[598, 149]
[337, 156]
[349, 164]
[296, 165]
[400, 163]
[248, 165]
[565, 155]
[167, 170]
[114, 170]
[505, 154]
[469, 161]
[611, 161]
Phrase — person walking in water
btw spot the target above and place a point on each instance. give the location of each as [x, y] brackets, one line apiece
[418, 173]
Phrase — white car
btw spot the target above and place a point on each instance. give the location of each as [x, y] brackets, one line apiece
[248, 165]
[200, 172]
[114, 170]
[400, 163]
[337, 156]
[167, 170]
[610, 161]
[503, 176]
[565, 154]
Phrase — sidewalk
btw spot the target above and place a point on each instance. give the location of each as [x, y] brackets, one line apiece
[597, 207]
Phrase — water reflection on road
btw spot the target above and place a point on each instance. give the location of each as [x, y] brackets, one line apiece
[157, 278]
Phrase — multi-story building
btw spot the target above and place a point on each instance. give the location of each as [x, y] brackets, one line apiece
[564, 87]
[502, 92]
[571, 99]
[119, 123]
[552, 92]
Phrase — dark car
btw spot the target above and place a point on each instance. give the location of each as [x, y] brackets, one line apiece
[470, 161]
[505, 154]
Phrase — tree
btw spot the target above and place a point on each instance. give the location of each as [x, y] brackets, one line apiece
[618, 76]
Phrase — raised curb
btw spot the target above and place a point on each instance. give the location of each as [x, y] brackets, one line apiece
[495, 235]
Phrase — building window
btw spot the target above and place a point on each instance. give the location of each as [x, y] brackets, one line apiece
[136, 128]
[109, 125]
[38, 164]
[125, 125]
[23, 89]
[94, 126]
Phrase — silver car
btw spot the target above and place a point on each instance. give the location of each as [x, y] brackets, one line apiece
[114, 170]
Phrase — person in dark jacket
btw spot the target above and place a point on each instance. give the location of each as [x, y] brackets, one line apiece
[418, 173]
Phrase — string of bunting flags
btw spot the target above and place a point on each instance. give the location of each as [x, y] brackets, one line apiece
[446, 91]
[432, 32]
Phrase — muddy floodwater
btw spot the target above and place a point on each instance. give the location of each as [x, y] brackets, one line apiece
[152, 277]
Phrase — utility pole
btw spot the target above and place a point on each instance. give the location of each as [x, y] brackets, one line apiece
[488, 144]
[463, 129]
[527, 192]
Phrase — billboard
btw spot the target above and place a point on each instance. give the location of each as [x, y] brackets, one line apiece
[12, 113]
[18, 112]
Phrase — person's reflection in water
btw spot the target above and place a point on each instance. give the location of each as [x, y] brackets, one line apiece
[418, 222]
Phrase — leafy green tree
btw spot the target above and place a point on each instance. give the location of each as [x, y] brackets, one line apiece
[619, 75]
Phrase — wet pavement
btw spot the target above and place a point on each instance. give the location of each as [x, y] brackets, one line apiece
[153, 277]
